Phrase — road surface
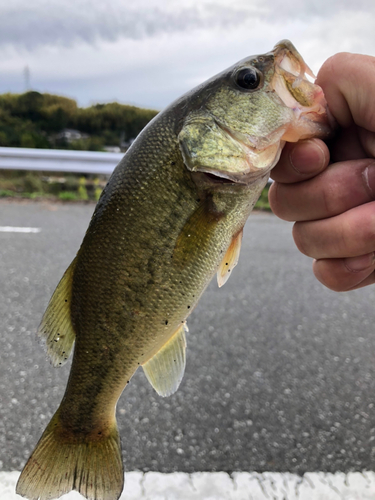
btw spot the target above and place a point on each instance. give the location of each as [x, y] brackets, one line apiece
[280, 371]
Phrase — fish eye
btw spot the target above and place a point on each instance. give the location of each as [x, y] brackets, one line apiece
[248, 78]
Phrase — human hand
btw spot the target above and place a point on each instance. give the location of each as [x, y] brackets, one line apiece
[330, 192]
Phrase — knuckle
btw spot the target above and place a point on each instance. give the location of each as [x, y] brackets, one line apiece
[364, 229]
[275, 200]
[299, 238]
[282, 201]
[325, 271]
[328, 198]
[368, 137]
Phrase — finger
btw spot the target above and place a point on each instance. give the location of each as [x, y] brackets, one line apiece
[348, 145]
[367, 139]
[348, 82]
[301, 160]
[342, 275]
[339, 188]
[349, 234]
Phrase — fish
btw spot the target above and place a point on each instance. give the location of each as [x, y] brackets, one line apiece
[169, 219]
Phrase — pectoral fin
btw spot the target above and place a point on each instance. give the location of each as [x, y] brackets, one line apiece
[230, 260]
[56, 328]
[166, 368]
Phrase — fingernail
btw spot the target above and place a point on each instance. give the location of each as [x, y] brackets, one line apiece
[356, 264]
[369, 178]
[307, 157]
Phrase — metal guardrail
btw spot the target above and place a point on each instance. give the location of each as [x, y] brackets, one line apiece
[57, 160]
[60, 160]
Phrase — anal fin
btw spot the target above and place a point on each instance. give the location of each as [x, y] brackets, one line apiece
[230, 260]
[56, 327]
[166, 368]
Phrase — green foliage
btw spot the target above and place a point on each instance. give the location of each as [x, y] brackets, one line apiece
[34, 120]
[97, 189]
[32, 183]
[5, 193]
[263, 203]
[68, 196]
[82, 191]
[117, 120]
[23, 184]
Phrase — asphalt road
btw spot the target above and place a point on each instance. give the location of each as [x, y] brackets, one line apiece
[280, 372]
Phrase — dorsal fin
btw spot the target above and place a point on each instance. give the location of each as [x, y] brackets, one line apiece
[166, 368]
[230, 260]
[56, 327]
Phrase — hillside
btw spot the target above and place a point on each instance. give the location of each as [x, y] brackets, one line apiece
[34, 120]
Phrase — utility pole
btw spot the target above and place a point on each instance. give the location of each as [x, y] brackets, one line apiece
[26, 74]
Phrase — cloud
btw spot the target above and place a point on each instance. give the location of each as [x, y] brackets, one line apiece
[27, 25]
[149, 55]
[53, 22]
[277, 10]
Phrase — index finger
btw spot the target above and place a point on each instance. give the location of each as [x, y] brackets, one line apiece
[348, 84]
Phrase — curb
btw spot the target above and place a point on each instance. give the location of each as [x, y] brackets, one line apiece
[237, 486]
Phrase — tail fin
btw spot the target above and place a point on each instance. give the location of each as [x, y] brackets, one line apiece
[59, 465]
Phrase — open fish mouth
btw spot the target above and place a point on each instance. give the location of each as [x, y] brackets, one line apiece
[298, 93]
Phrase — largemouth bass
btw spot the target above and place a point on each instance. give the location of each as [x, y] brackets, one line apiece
[169, 219]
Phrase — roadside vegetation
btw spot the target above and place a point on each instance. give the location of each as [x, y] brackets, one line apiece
[35, 120]
[43, 185]
[263, 203]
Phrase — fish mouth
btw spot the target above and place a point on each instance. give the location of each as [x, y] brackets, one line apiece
[224, 178]
[297, 92]
[219, 179]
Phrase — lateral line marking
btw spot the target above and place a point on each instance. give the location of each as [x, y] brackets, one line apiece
[236, 486]
[13, 229]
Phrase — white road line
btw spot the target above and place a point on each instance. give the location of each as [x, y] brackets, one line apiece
[12, 229]
[238, 486]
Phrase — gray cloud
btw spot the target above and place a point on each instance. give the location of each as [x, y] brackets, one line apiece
[27, 25]
[67, 23]
[297, 9]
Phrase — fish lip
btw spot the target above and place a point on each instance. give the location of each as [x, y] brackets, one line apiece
[325, 120]
[305, 98]
[285, 48]
[221, 178]
[215, 178]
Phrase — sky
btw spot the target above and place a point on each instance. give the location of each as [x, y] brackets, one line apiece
[149, 52]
